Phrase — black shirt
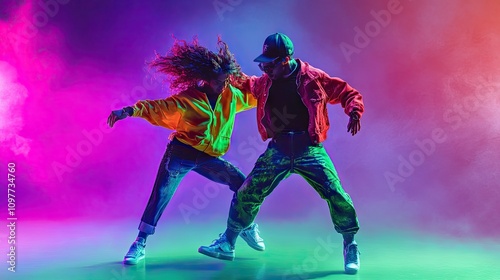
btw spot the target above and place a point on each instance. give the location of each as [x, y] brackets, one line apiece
[284, 110]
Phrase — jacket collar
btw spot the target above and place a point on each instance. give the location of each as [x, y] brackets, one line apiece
[304, 69]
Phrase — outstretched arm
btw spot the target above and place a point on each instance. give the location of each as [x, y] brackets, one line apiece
[247, 84]
[164, 112]
[339, 91]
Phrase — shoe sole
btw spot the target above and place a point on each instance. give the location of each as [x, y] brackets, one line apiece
[133, 261]
[351, 271]
[215, 255]
[251, 244]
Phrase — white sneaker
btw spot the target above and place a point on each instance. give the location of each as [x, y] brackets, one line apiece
[352, 262]
[220, 249]
[252, 237]
[136, 253]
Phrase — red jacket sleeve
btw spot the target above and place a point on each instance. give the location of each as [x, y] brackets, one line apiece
[249, 84]
[339, 91]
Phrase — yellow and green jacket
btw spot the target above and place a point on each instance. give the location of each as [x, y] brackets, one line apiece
[195, 122]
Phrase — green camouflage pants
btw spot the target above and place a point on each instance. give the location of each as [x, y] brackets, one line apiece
[293, 153]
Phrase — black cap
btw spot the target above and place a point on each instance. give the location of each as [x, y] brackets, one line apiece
[275, 45]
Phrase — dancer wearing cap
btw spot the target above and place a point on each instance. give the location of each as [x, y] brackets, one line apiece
[291, 110]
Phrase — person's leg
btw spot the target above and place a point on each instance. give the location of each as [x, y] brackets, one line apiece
[317, 168]
[222, 171]
[173, 167]
[271, 167]
[169, 175]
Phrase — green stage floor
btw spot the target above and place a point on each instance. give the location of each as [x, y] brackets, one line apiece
[302, 250]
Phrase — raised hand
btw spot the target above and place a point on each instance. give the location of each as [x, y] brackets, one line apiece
[116, 116]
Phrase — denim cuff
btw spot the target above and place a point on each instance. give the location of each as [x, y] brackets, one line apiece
[147, 228]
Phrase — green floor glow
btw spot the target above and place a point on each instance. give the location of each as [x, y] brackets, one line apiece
[302, 250]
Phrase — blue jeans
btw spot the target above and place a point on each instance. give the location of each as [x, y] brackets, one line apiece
[287, 153]
[178, 160]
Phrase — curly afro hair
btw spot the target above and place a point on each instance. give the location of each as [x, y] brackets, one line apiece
[186, 64]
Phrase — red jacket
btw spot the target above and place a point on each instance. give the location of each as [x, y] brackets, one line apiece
[316, 89]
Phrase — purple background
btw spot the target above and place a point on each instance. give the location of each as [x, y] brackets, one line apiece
[429, 68]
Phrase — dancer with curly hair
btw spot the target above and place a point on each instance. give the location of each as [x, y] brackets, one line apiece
[201, 111]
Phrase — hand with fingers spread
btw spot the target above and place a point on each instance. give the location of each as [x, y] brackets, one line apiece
[117, 115]
[354, 124]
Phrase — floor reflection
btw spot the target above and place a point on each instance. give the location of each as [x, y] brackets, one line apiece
[52, 250]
